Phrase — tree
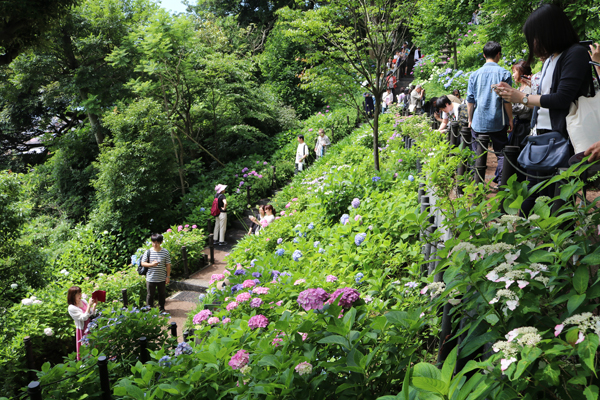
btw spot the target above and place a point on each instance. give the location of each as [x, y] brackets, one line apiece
[357, 37]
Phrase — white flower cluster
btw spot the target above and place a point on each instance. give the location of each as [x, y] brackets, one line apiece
[434, 289]
[64, 272]
[585, 321]
[510, 219]
[30, 301]
[512, 301]
[515, 341]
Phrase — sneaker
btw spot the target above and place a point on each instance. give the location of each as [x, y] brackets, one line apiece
[222, 244]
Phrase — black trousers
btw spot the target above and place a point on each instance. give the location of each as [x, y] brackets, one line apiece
[162, 293]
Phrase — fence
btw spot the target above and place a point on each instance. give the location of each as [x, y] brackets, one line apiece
[34, 389]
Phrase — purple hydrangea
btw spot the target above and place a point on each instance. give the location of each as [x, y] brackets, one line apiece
[344, 219]
[241, 183]
[256, 274]
[296, 255]
[256, 302]
[316, 244]
[376, 179]
[236, 288]
[245, 170]
[347, 296]
[183, 348]
[312, 299]
[311, 226]
[275, 274]
[279, 241]
[359, 238]
[239, 272]
[356, 202]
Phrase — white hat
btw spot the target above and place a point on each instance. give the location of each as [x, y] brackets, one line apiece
[220, 188]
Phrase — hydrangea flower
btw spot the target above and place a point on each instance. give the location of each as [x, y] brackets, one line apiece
[239, 360]
[183, 348]
[295, 240]
[331, 278]
[347, 297]
[280, 252]
[304, 368]
[276, 342]
[311, 226]
[226, 320]
[344, 219]
[248, 283]
[217, 277]
[252, 262]
[359, 238]
[236, 288]
[260, 290]
[275, 274]
[258, 321]
[279, 241]
[312, 299]
[357, 217]
[256, 275]
[411, 285]
[296, 255]
[256, 302]
[376, 179]
[202, 316]
[48, 332]
[165, 361]
[358, 277]
[299, 282]
[213, 320]
[240, 271]
[201, 297]
[14, 286]
[356, 202]
[231, 306]
[321, 250]
[243, 297]
[316, 244]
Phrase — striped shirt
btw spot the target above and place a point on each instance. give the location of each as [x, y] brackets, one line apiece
[159, 273]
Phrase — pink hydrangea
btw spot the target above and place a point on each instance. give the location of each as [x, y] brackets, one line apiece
[279, 303]
[347, 297]
[248, 283]
[226, 320]
[260, 290]
[330, 278]
[304, 336]
[217, 277]
[201, 316]
[258, 321]
[304, 368]
[239, 360]
[312, 299]
[169, 230]
[288, 205]
[179, 228]
[299, 282]
[194, 226]
[213, 320]
[264, 223]
[232, 306]
[276, 342]
[256, 302]
[243, 297]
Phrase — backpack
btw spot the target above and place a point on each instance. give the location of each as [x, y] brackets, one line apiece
[215, 210]
[463, 116]
[143, 270]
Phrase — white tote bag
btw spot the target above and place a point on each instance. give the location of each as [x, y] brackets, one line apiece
[583, 122]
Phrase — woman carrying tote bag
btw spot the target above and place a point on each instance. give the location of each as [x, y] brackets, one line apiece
[566, 75]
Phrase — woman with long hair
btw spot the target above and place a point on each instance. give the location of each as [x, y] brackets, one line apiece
[566, 75]
[80, 311]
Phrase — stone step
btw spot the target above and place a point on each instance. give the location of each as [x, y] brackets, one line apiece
[191, 285]
[191, 297]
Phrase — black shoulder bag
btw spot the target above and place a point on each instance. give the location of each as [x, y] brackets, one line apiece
[143, 270]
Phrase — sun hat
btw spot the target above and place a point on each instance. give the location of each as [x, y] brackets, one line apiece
[219, 188]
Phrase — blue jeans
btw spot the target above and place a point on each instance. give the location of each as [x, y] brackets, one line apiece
[499, 141]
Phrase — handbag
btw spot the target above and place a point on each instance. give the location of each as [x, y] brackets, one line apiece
[545, 152]
[411, 108]
[143, 270]
[583, 121]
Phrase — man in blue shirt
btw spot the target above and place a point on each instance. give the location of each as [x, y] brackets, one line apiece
[488, 113]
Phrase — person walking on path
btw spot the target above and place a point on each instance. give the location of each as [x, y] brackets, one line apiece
[221, 216]
[416, 100]
[301, 154]
[159, 271]
[487, 112]
[322, 144]
[81, 312]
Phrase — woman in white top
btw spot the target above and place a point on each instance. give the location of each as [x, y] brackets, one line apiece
[80, 311]
[323, 143]
[256, 221]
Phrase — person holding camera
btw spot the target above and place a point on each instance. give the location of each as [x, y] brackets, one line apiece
[81, 312]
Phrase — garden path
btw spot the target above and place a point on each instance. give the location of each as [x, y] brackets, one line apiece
[186, 299]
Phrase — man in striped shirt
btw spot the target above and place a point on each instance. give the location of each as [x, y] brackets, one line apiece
[159, 271]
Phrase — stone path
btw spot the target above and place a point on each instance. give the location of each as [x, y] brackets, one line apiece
[186, 298]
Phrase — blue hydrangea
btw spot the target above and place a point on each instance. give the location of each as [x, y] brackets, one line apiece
[279, 252]
[297, 228]
[344, 219]
[201, 297]
[279, 241]
[411, 178]
[295, 240]
[256, 274]
[311, 226]
[296, 255]
[134, 259]
[321, 250]
[286, 274]
[376, 179]
[358, 277]
[459, 73]
[239, 272]
[356, 202]
[253, 261]
[236, 288]
[359, 238]
[165, 361]
[316, 244]
[183, 348]
[202, 209]
[213, 290]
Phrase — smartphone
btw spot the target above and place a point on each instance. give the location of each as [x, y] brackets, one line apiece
[586, 42]
[595, 63]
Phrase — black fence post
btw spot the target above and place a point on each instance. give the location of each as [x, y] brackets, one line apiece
[29, 358]
[211, 247]
[481, 160]
[34, 390]
[511, 154]
[104, 381]
[125, 297]
[144, 358]
[205, 260]
[186, 272]
[174, 329]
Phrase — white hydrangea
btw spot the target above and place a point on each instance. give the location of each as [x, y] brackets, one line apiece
[64, 272]
[512, 301]
[48, 331]
[14, 286]
[434, 289]
[511, 219]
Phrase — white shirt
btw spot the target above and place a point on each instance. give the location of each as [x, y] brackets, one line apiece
[417, 55]
[454, 113]
[388, 98]
[543, 120]
[301, 151]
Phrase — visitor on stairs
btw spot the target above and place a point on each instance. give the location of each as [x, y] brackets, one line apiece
[256, 221]
[322, 144]
[301, 154]
[159, 272]
[488, 114]
[81, 312]
[416, 100]
[221, 218]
